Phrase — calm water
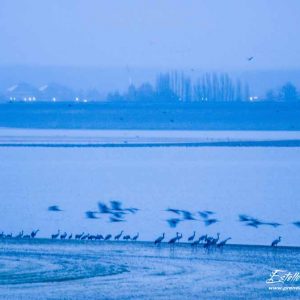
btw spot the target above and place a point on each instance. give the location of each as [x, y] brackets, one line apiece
[117, 270]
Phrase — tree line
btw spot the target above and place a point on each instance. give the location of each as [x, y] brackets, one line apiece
[176, 86]
[213, 87]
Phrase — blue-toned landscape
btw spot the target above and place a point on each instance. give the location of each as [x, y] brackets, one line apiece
[149, 149]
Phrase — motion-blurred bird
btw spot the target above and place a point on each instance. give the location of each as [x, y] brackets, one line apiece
[205, 214]
[173, 210]
[187, 215]
[297, 223]
[173, 222]
[103, 208]
[91, 215]
[54, 208]
[209, 222]
[115, 220]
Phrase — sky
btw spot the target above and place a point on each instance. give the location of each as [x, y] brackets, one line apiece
[204, 34]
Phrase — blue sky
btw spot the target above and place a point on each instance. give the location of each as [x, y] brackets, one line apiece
[206, 34]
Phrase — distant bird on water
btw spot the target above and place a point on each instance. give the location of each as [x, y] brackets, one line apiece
[191, 238]
[34, 233]
[108, 237]
[250, 58]
[54, 208]
[63, 236]
[135, 237]
[79, 236]
[55, 235]
[19, 236]
[223, 243]
[174, 239]
[117, 237]
[126, 237]
[159, 239]
[276, 242]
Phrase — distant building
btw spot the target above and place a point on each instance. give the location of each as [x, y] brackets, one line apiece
[21, 92]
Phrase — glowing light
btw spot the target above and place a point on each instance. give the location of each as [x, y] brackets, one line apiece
[54, 99]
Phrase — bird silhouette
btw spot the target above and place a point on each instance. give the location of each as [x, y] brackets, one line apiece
[209, 222]
[99, 237]
[103, 208]
[117, 237]
[159, 239]
[54, 208]
[63, 236]
[191, 238]
[55, 235]
[116, 220]
[297, 223]
[135, 237]
[201, 239]
[173, 210]
[222, 243]
[273, 224]
[91, 214]
[186, 215]
[276, 242]
[70, 236]
[84, 237]
[126, 237]
[19, 236]
[173, 222]
[174, 239]
[244, 218]
[179, 237]
[116, 205]
[205, 214]
[250, 58]
[34, 233]
[79, 236]
[108, 237]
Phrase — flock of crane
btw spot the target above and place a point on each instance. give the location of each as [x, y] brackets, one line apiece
[117, 213]
[208, 242]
